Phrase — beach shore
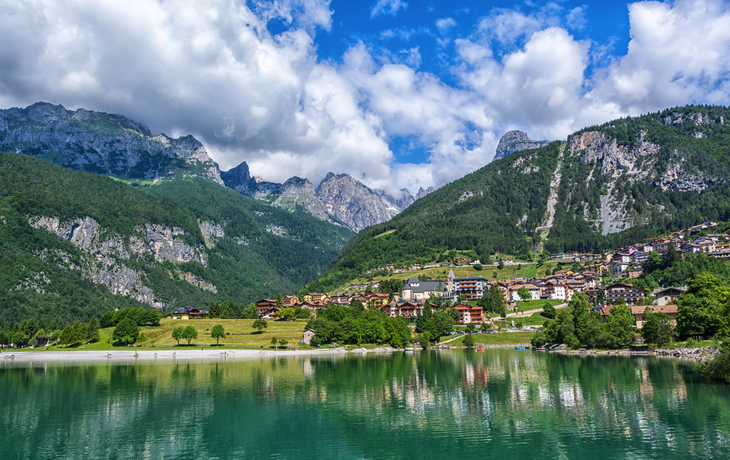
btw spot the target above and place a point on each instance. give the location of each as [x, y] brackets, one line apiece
[130, 355]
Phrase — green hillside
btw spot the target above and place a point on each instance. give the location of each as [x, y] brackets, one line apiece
[43, 275]
[614, 185]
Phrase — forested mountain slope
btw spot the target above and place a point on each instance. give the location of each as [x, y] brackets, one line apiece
[75, 244]
[606, 186]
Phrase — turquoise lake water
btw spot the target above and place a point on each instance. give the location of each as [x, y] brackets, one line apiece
[502, 404]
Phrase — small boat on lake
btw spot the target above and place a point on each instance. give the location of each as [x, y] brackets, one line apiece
[522, 348]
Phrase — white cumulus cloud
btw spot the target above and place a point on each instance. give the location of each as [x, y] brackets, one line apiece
[387, 7]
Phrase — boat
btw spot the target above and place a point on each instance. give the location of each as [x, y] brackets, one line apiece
[540, 349]
[522, 348]
[409, 349]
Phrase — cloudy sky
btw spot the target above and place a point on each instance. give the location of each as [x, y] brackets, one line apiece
[398, 93]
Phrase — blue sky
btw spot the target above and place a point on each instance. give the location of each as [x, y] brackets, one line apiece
[398, 93]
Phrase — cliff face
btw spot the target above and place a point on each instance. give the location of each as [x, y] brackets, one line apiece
[107, 254]
[102, 143]
[351, 202]
[515, 141]
[339, 198]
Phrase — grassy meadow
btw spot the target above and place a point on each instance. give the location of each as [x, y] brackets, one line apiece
[240, 330]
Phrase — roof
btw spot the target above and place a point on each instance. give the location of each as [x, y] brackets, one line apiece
[669, 289]
[638, 310]
[425, 286]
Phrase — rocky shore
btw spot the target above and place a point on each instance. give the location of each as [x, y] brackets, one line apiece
[689, 354]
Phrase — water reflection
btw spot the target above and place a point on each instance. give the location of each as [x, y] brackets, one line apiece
[423, 405]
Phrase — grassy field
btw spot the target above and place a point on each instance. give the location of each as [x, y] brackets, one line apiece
[500, 338]
[535, 304]
[536, 319]
[240, 330]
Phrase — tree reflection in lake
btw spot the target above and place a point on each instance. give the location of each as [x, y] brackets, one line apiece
[500, 403]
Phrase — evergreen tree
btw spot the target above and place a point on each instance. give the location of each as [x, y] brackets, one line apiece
[93, 331]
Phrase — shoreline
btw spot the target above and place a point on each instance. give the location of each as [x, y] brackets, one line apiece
[127, 355]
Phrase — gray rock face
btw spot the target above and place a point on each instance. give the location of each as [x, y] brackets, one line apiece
[239, 178]
[514, 141]
[106, 253]
[351, 202]
[340, 199]
[101, 142]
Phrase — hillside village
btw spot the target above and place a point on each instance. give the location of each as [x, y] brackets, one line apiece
[607, 279]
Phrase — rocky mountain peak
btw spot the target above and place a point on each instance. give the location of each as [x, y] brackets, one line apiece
[514, 141]
[101, 142]
[239, 178]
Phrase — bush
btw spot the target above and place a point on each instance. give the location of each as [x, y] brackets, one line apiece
[469, 341]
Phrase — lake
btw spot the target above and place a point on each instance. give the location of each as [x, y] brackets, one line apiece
[501, 404]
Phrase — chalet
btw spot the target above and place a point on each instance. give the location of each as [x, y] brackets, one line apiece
[407, 309]
[377, 300]
[668, 295]
[616, 267]
[531, 288]
[640, 315]
[618, 291]
[555, 290]
[189, 313]
[461, 260]
[422, 290]
[290, 299]
[316, 306]
[266, 307]
[469, 314]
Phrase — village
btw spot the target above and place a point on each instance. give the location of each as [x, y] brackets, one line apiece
[605, 278]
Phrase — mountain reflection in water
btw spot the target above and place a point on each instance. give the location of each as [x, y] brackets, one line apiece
[498, 404]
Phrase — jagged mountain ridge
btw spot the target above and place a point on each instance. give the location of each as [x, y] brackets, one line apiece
[339, 198]
[110, 144]
[515, 141]
[101, 143]
[605, 187]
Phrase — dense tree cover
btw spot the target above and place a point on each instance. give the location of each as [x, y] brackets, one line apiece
[657, 328]
[267, 263]
[27, 332]
[493, 301]
[674, 269]
[230, 310]
[704, 310]
[246, 265]
[580, 325]
[139, 316]
[500, 207]
[436, 321]
[348, 325]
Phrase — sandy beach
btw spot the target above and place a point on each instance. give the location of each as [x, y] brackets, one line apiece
[130, 355]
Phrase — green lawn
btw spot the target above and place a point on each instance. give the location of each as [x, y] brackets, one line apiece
[535, 304]
[536, 319]
[240, 330]
[500, 338]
